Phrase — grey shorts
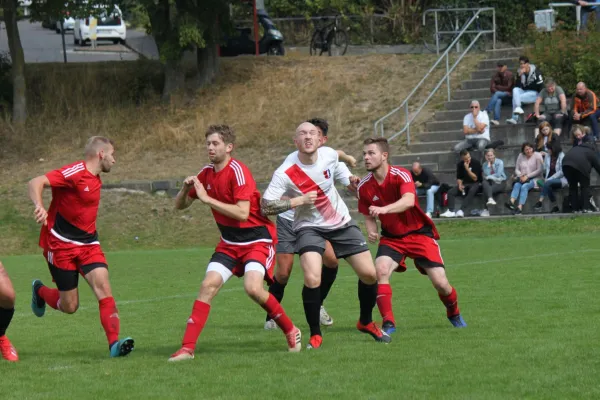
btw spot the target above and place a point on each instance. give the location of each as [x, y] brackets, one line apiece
[286, 237]
[346, 241]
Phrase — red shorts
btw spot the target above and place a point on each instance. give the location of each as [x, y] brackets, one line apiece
[67, 263]
[235, 257]
[424, 250]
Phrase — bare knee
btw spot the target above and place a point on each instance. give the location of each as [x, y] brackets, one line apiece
[283, 274]
[69, 306]
[103, 290]
[7, 298]
[440, 282]
[208, 290]
[312, 280]
[255, 291]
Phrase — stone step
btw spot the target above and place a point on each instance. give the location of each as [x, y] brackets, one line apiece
[444, 125]
[471, 94]
[513, 52]
[475, 84]
[490, 63]
[483, 73]
[510, 134]
[431, 166]
[432, 146]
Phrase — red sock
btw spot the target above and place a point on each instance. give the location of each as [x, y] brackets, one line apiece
[451, 303]
[195, 324]
[277, 314]
[109, 317]
[50, 296]
[384, 302]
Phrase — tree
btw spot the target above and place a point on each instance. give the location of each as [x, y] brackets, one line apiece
[10, 12]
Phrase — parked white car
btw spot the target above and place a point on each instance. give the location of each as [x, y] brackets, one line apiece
[109, 27]
[68, 24]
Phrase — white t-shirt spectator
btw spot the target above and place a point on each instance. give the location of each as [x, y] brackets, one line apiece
[482, 117]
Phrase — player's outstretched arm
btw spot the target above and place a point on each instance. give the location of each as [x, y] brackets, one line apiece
[406, 201]
[183, 201]
[274, 207]
[346, 158]
[36, 188]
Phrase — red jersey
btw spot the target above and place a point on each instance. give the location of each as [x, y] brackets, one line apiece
[397, 182]
[74, 208]
[232, 184]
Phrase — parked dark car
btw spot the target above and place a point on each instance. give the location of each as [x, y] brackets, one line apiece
[271, 41]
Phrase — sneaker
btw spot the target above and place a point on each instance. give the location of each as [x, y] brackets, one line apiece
[457, 321]
[495, 122]
[460, 214]
[8, 351]
[517, 211]
[511, 121]
[325, 318]
[270, 325]
[294, 340]
[448, 214]
[593, 204]
[518, 110]
[38, 305]
[485, 213]
[429, 215]
[491, 202]
[555, 210]
[122, 347]
[388, 327]
[372, 329]
[510, 206]
[182, 354]
[315, 342]
[538, 206]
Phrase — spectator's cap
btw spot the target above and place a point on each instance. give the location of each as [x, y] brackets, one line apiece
[501, 63]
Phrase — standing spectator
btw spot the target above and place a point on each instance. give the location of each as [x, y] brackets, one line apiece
[545, 138]
[577, 167]
[586, 11]
[494, 179]
[580, 134]
[468, 183]
[585, 108]
[426, 183]
[554, 178]
[501, 87]
[529, 83]
[555, 105]
[528, 169]
[476, 128]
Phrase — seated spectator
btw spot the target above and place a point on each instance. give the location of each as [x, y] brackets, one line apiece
[585, 108]
[580, 134]
[501, 87]
[555, 103]
[494, 179]
[528, 169]
[554, 178]
[468, 183]
[545, 138]
[426, 183]
[529, 83]
[476, 128]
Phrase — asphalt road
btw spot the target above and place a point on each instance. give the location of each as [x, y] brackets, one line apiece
[45, 45]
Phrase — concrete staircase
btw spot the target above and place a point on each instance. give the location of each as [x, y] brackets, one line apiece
[433, 147]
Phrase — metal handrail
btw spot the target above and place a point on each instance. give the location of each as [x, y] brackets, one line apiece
[378, 125]
[577, 10]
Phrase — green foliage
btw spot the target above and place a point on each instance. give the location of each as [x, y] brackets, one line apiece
[568, 57]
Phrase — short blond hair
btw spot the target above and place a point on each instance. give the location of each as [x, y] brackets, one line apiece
[95, 144]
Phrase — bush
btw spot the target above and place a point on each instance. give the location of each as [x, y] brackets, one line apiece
[568, 57]
[6, 87]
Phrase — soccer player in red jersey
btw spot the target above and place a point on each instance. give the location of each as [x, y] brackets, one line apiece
[70, 241]
[7, 310]
[388, 192]
[247, 240]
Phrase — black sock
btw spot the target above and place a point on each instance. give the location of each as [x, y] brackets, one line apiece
[328, 276]
[367, 296]
[277, 290]
[312, 307]
[5, 317]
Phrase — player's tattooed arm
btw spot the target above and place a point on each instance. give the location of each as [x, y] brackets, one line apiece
[274, 207]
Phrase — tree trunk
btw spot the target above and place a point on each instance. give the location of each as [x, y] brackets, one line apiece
[174, 79]
[19, 111]
[208, 64]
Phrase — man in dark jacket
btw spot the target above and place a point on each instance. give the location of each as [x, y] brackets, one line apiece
[501, 87]
[426, 183]
[529, 83]
[468, 183]
[577, 167]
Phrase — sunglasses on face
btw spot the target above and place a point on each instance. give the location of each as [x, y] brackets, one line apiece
[474, 106]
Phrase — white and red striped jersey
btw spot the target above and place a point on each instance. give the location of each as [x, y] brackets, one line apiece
[294, 179]
[230, 185]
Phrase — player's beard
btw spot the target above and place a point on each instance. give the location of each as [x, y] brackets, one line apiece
[105, 167]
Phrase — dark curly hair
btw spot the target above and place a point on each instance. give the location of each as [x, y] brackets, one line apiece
[321, 124]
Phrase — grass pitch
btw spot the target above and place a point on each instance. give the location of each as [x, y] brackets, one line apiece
[530, 303]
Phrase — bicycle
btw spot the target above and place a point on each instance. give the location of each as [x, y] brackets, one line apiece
[330, 38]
